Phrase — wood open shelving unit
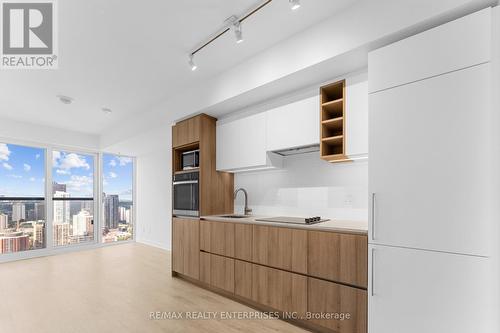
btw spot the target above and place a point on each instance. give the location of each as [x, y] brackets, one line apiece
[332, 122]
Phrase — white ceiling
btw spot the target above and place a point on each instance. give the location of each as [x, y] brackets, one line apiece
[131, 55]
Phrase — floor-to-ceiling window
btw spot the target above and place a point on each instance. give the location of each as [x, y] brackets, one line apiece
[73, 201]
[117, 198]
[22, 198]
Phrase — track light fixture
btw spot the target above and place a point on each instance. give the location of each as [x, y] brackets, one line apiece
[234, 24]
[192, 63]
[294, 4]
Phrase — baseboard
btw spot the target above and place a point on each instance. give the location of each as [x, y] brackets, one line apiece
[153, 243]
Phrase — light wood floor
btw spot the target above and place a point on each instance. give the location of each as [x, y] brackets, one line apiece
[111, 289]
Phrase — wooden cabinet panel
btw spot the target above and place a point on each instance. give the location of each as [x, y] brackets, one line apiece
[186, 247]
[243, 241]
[280, 290]
[328, 297]
[338, 257]
[217, 271]
[186, 132]
[217, 237]
[243, 279]
[283, 248]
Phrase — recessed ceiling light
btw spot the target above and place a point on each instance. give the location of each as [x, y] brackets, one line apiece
[106, 110]
[65, 99]
[294, 4]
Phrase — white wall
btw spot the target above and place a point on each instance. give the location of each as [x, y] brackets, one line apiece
[308, 186]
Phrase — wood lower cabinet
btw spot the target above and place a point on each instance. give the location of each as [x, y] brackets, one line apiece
[330, 298]
[243, 236]
[217, 237]
[217, 271]
[185, 247]
[243, 279]
[338, 257]
[280, 290]
[283, 248]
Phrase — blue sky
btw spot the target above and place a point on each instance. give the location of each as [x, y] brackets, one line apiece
[22, 172]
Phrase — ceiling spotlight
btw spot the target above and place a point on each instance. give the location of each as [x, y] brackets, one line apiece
[106, 110]
[192, 63]
[294, 4]
[65, 99]
[235, 25]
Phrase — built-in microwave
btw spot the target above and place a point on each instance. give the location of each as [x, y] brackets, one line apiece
[186, 194]
[190, 159]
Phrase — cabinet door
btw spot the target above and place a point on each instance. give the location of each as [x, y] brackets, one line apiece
[241, 143]
[327, 298]
[417, 291]
[186, 132]
[280, 290]
[338, 257]
[217, 237]
[356, 121]
[243, 241]
[433, 52]
[243, 279]
[283, 248]
[217, 271]
[429, 169]
[293, 125]
[186, 248]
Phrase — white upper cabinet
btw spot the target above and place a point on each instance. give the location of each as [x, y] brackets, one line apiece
[455, 45]
[356, 122]
[415, 291]
[293, 125]
[241, 145]
[429, 164]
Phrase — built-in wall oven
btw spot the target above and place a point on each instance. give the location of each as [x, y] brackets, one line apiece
[186, 194]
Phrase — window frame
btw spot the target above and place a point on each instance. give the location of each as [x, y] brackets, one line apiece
[50, 249]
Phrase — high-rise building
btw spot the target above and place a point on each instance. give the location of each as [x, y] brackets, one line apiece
[14, 242]
[61, 234]
[56, 187]
[40, 211]
[4, 221]
[111, 215]
[81, 222]
[38, 235]
[18, 211]
[61, 208]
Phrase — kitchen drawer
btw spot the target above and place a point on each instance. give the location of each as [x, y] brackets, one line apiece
[186, 132]
[217, 237]
[283, 248]
[243, 279]
[217, 271]
[280, 290]
[330, 298]
[338, 257]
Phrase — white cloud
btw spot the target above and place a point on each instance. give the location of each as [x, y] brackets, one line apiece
[81, 184]
[15, 176]
[72, 160]
[7, 166]
[37, 156]
[56, 155]
[124, 160]
[26, 167]
[32, 179]
[112, 163]
[4, 152]
[63, 172]
[112, 175]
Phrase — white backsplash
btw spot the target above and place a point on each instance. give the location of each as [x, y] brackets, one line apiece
[307, 186]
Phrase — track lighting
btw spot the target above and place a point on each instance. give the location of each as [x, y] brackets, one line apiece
[294, 4]
[192, 63]
[234, 25]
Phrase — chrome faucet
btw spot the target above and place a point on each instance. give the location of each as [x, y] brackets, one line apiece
[247, 210]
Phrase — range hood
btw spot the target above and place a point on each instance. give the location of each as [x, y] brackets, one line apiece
[297, 150]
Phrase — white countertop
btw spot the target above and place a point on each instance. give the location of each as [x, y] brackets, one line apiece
[333, 225]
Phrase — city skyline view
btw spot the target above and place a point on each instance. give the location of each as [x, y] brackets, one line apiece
[22, 175]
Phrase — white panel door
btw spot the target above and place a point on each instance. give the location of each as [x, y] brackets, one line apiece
[455, 45]
[430, 164]
[242, 143]
[356, 121]
[415, 291]
[293, 125]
